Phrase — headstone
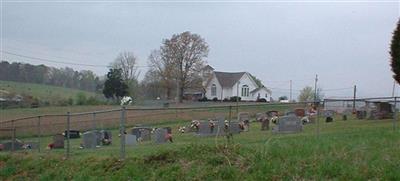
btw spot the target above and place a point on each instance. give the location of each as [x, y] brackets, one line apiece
[272, 113]
[243, 116]
[7, 146]
[328, 119]
[145, 134]
[300, 112]
[235, 128]
[130, 140]
[106, 137]
[385, 110]
[142, 133]
[169, 129]
[290, 113]
[260, 116]
[31, 145]
[205, 130]
[288, 124]
[329, 113]
[361, 114]
[135, 131]
[160, 135]
[90, 139]
[265, 124]
[72, 134]
[58, 141]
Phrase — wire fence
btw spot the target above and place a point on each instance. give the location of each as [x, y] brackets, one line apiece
[69, 131]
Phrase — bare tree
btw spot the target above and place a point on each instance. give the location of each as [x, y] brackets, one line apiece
[163, 68]
[186, 52]
[127, 62]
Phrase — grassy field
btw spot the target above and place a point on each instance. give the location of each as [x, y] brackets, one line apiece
[43, 92]
[7, 114]
[344, 150]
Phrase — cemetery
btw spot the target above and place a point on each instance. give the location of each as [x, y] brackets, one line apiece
[243, 137]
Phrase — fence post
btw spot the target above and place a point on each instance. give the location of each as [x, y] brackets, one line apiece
[13, 136]
[122, 133]
[68, 130]
[230, 118]
[94, 121]
[395, 114]
[318, 113]
[39, 133]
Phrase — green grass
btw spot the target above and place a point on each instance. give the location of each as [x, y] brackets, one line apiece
[8, 114]
[43, 92]
[344, 150]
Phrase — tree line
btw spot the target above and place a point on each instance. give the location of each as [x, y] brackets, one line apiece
[41, 74]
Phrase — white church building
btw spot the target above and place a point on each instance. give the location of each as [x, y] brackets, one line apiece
[223, 85]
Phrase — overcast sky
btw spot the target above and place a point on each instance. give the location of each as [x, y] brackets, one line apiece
[344, 43]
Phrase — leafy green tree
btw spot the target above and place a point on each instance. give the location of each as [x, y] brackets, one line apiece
[307, 94]
[114, 86]
[258, 81]
[395, 53]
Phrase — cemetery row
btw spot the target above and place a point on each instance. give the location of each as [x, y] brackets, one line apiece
[289, 122]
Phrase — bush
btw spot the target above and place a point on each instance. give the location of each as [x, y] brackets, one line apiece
[92, 101]
[204, 99]
[80, 98]
[226, 99]
[233, 99]
[62, 102]
[215, 99]
[70, 101]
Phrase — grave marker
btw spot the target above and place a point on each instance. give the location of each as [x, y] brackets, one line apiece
[160, 135]
[290, 113]
[90, 139]
[245, 118]
[300, 112]
[130, 140]
[72, 134]
[58, 141]
[288, 124]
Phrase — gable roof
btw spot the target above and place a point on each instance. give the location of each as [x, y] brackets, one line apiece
[228, 79]
[257, 89]
[208, 67]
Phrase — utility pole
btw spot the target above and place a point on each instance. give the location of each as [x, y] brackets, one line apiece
[290, 97]
[354, 99]
[237, 98]
[315, 103]
[315, 89]
[394, 87]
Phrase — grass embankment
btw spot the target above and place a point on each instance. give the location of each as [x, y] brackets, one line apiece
[351, 150]
[41, 91]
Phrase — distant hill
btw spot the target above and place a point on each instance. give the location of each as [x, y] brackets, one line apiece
[45, 93]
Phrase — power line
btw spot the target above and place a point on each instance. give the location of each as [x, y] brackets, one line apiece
[338, 89]
[59, 62]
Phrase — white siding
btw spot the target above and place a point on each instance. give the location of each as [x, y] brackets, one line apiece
[262, 93]
[245, 80]
[208, 90]
[228, 92]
